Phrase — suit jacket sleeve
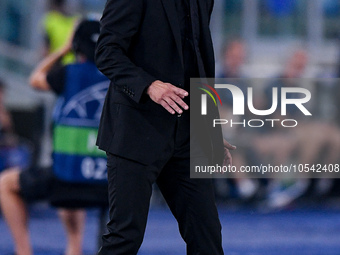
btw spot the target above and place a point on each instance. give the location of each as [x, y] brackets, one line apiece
[120, 22]
[211, 8]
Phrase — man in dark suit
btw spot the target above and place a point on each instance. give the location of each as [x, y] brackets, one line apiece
[149, 49]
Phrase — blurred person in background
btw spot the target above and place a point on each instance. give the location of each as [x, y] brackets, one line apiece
[58, 25]
[71, 184]
[237, 188]
[311, 142]
[234, 57]
[14, 150]
[290, 77]
[267, 144]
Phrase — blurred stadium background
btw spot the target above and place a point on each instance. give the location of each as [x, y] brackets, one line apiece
[271, 30]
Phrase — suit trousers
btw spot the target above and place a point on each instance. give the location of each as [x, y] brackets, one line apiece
[191, 201]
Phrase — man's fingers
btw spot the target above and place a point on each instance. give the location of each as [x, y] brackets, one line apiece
[167, 107]
[173, 105]
[180, 92]
[181, 96]
[180, 102]
[228, 145]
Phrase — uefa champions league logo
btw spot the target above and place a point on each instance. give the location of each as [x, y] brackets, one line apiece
[76, 111]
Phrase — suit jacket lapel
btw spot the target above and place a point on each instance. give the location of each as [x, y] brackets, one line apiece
[170, 10]
[207, 52]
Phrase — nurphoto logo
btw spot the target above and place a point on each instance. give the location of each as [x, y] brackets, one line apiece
[239, 105]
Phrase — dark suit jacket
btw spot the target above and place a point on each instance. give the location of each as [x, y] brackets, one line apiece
[139, 43]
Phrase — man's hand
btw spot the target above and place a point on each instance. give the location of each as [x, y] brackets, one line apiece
[228, 160]
[169, 96]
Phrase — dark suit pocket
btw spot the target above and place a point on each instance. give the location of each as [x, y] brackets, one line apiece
[119, 97]
[139, 135]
